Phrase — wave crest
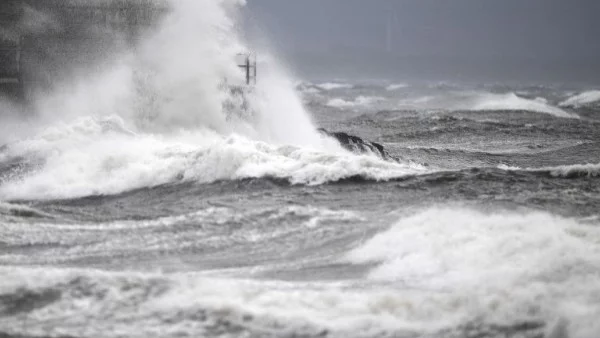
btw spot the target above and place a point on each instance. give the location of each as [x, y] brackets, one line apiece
[565, 171]
[360, 101]
[95, 157]
[515, 260]
[582, 99]
[93, 303]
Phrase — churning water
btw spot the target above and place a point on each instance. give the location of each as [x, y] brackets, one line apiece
[134, 205]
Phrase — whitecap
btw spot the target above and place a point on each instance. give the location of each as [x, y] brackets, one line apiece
[334, 86]
[582, 99]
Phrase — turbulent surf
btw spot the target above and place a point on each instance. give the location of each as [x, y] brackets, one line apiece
[134, 204]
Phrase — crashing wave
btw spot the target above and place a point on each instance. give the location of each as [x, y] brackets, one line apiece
[509, 259]
[576, 170]
[582, 99]
[159, 115]
[565, 171]
[199, 306]
[87, 158]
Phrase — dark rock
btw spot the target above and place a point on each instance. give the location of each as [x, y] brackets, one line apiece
[358, 145]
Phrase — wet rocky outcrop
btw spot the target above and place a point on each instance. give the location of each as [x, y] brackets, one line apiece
[356, 144]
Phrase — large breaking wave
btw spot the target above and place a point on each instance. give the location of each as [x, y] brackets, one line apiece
[98, 157]
[521, 265]
[159, 115]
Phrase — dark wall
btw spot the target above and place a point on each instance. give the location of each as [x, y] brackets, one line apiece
[45, 42]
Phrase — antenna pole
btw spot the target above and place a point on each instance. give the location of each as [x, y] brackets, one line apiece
[248, 70]
[255, 69]
[249, 67]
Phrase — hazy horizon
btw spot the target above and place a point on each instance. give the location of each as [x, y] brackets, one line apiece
[511, 40]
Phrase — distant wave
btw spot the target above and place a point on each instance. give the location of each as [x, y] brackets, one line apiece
[582, 99]
[396, 86]
[483, 101]
[309, 90]
[334, 86]
[307, 87]
[360, 101]
[566, 171]
[436, 176]
[511, 101]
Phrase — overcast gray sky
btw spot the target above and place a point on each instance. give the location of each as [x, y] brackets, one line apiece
[549, 40]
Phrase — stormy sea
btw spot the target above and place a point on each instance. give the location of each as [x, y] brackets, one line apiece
[148, 201]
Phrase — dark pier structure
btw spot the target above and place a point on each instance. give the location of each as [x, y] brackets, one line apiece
[43, 42]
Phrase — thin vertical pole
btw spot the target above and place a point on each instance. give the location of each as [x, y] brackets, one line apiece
[248, 70]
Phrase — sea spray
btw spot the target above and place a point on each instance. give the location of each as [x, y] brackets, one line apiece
[192, 61]
[178, 77]
[164, 101]
[185, 62]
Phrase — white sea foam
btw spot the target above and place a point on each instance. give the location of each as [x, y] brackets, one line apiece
[340, 103]
[360, 101]
[520, 264]
[170, 305]
[511, 101]
[578, 170]
[590, 170]
[334, 86]
[475, 100]
[582, 99]
[95, 156]
[191, 303]
[396, 86]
